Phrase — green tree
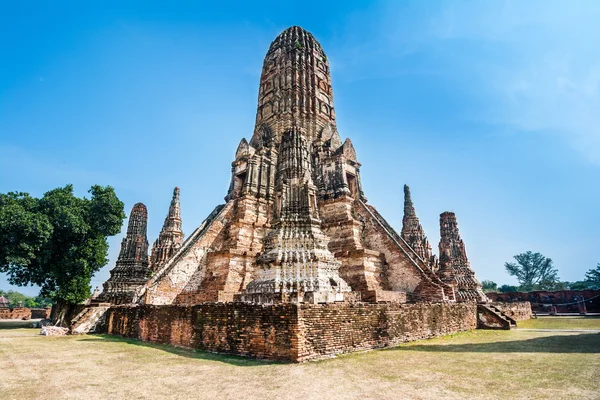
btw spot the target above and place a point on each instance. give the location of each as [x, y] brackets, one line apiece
[533, 271]
[508, 289]
[489, 286]
[33, 302]
[593, 277]
[58, 241]
[580, 285]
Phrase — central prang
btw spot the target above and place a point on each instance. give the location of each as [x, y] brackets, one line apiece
[296, 264]
[295, 226]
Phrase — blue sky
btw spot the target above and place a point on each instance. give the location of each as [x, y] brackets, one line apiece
[487, 109]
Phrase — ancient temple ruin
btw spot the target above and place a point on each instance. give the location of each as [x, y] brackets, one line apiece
[132, 267]
[296, 226]
[295, 264]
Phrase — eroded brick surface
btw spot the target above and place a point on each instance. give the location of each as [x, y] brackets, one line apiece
[288, 331]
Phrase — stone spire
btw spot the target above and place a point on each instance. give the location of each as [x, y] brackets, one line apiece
[171, 235]
[131, 270]
[455, 268]
[295, 88]
[296, 264]
[413, 233]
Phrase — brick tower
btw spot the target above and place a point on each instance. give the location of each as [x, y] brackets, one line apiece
[455, 268]
[132, 270]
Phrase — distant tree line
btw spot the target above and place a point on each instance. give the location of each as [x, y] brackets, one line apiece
[15, 298]
[533, 271]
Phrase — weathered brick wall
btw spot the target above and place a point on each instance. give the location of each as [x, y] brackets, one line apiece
[40, 313]
[326, 330]
[234, 328]
[518, 310]
[565, 301]
[15, 313]
[289, 332]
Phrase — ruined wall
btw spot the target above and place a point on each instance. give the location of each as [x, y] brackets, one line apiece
[565, 301]
[235, 328]
[289, 332]
[24, 313]
[15, 313]
[519, 310]
[331, 329]
[40, 313]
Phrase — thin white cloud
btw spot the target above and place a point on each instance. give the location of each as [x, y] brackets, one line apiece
[547, 78]
[535, 63]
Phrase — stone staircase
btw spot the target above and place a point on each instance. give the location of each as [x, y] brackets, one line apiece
[512, 321]
[431, 282]
[491, 317]
[89, 319]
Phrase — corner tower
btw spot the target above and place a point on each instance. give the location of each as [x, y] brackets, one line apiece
[132, 270]
[455, 269]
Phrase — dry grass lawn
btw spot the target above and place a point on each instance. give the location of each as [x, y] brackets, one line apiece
[470, 365]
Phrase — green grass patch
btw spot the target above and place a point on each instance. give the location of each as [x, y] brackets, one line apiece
[556, 322]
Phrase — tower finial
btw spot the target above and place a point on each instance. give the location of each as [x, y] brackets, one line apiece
[170, 236]
[409, 208]
[412, 231]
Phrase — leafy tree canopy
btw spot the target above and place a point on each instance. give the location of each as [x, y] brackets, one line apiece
[508, 289]
[533, 271]
[58, 241]
[489, 286]
[32, 302]
[593, 277]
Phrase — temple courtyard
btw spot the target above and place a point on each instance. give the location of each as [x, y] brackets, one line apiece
[546, 358]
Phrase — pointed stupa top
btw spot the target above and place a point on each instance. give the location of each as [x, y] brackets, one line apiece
[134, 247]
[409, 208]
[173, 219]
[412, 231]
[295, 89]
[170, 236]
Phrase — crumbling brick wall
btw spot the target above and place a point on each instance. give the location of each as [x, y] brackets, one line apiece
[518, 310]
[288, 331]
[565, 301]
[341, 328]
[235, 328]
[40, 313]
[15, 313]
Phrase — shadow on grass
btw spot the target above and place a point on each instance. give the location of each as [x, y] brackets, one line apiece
[582, 343]
[189, 353]
[17, 324]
